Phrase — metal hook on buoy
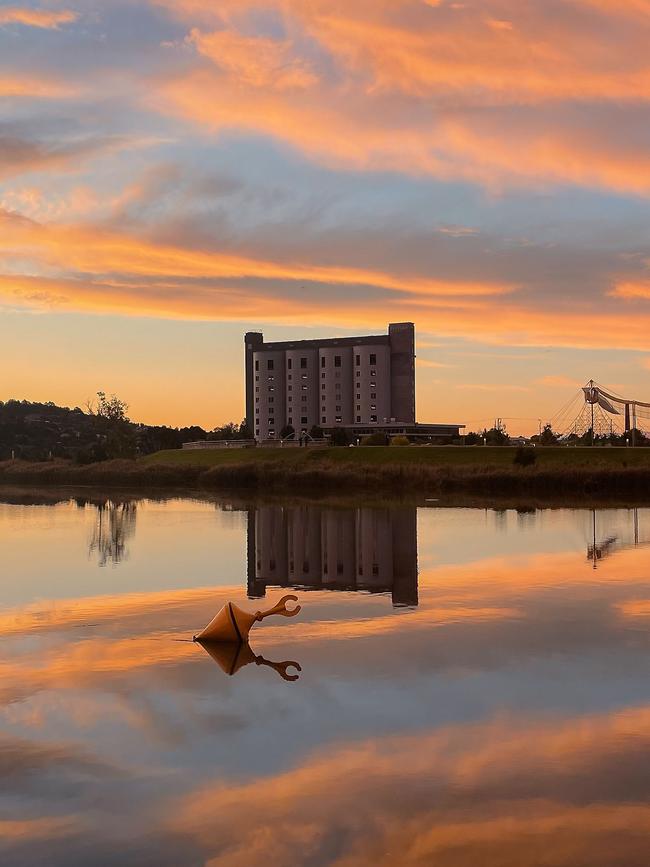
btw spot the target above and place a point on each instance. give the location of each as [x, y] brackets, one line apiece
[281, 608]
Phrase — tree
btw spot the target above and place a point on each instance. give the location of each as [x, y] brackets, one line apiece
[287, 432]
[117, 431]
[111, 408]
[316, 432]
[547, 436]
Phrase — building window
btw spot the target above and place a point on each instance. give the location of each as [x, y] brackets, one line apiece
[323, 409]
[358, 397]
[290, 400]
[303, 419]
[322, 361]
[373, 408]
[337, 361]
[271, 400]
[289, 421]
[288, 364]
[271, 388]
[373, 395]
[358, 374]
[257, 379]
[304, 388]
[257, 364]
[271, 421]
[373, 418]
[322, 376]
[322, 388]
[290, 388]
[270, 364]
[338, 420]
[271, 433]
[337, 386]
[323, 420]
[338, 409]
[358, 418]
[271, 379]
[257, 388]
[304, 398]
[257, 432]
[303, 363]
[257, 400]
[289, 377]
[257, 411]
[373, 373]
[373, 358]
[358, 408]
[358, 360]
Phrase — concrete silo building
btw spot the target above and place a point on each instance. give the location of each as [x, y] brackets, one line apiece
[361, 384]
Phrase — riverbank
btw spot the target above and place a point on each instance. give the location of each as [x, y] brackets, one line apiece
[606, 473]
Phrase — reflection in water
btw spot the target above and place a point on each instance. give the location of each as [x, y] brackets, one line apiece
[606, 541]
[231, 657]
[504, 721]
[314, 548]
[114, 526]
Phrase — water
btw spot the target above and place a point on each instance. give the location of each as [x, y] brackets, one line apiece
[473, 686]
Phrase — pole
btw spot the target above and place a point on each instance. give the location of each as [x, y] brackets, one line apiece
[591, 386]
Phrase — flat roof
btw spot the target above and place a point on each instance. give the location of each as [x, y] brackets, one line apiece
[278, 345]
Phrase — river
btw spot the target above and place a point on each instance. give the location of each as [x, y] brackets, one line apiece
[461, 686]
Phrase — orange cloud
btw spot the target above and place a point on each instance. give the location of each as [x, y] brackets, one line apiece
[408, 83]
[629, 289]
[559, 382]
[254, 61]
[42, 18]
[41, 88]
[467, 794]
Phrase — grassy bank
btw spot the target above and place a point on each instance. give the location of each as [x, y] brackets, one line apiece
[607, 473]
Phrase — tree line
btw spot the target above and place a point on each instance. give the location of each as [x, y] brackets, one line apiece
[102, 430]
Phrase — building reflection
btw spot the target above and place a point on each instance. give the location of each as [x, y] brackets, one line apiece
[309, 547]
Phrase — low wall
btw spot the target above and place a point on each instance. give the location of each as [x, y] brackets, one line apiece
[220, 444]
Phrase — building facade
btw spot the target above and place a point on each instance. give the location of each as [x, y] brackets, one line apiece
[336, 382]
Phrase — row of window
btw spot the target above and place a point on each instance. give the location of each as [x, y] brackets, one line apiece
[270, 362]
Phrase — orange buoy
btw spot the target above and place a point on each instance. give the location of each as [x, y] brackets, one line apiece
[232, 624]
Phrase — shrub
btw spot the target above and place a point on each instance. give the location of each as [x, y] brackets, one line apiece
[400, 440]
[376, 439]
[525, 457]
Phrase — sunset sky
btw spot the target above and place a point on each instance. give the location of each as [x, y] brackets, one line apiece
[176, 172]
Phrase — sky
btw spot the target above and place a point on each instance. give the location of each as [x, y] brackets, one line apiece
[174, 173]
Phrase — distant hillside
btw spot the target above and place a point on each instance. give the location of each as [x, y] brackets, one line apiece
[38, 431]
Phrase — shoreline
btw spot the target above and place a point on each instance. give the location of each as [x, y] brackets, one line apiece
[363, 473]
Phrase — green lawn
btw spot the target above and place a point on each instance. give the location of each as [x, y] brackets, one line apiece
[431, 456]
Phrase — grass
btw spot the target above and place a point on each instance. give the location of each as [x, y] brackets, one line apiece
[423, 456]
[467, 471]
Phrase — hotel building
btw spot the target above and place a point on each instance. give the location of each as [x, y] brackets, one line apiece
[350, 382]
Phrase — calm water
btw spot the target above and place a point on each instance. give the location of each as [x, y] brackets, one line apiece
[474, 686]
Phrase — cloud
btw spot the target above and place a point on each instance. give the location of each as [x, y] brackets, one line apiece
[467, 794]
[174, 272]
[559, 381]
[632, 289]
[495, 387]
[254, 61]
[42, 18]
[515, 97]
[36, 88]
